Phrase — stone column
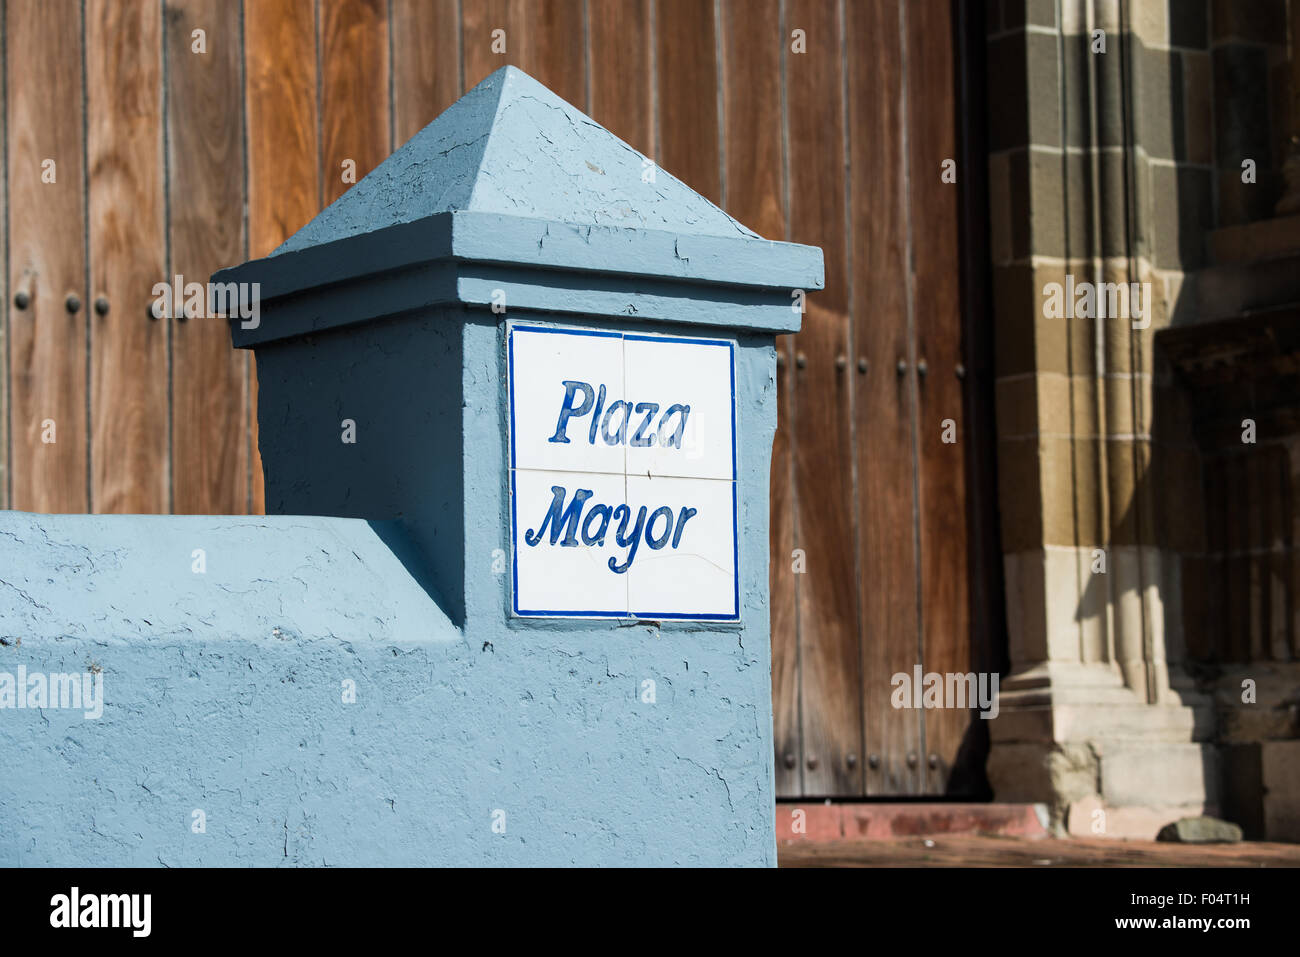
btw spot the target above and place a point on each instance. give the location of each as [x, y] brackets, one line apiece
[1091, 187]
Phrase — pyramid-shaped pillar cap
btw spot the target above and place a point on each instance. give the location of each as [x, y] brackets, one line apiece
[511, 175]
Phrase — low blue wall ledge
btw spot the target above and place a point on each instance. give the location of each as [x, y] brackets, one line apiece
[223, 694]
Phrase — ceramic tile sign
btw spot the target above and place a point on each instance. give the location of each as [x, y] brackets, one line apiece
[622, 475]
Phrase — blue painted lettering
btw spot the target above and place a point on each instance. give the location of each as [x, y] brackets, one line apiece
[674, 440]
[565, 518]
[682, 516]
[570, 408]
[614, 407]
[650, 539]
[598, 538]
[595, 419]
[613, 423]
[639, 440]
[629, 543]
[558, 514]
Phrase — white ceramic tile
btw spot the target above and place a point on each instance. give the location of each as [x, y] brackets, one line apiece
[572, 580]
[665, 372]
[542, 360]
[693, 573]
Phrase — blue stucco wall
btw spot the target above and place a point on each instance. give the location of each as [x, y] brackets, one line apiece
[223, 690]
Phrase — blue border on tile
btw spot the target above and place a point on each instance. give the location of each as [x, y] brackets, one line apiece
[511, 329]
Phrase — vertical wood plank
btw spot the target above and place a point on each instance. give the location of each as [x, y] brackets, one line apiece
[283, 139]
[47, 261]
[5, 317]
[751, 44]
[546, 40]
[211, 413]
[554, 35]
[945, 601]
[426, 63]
[479, 18]
[885, 495]
[621, 55]
[128, 350]
[829, 649]
[686, 77]
[354, 91]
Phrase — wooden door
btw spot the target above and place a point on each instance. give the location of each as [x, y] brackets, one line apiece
[818, 121]
[872, 556]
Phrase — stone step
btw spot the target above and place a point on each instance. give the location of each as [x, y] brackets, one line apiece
[869, 820]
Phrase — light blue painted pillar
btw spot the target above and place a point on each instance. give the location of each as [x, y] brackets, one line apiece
[552, 365]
